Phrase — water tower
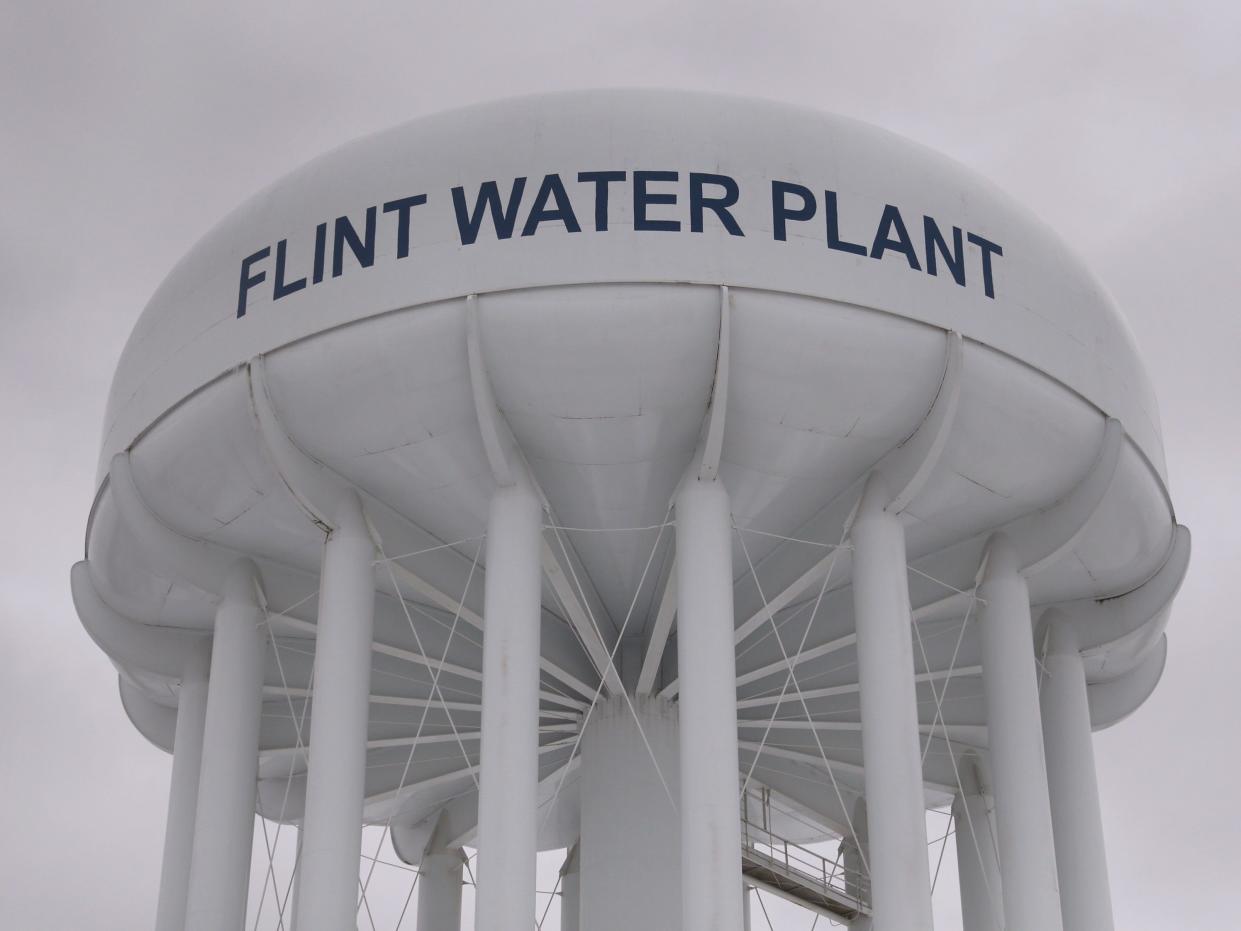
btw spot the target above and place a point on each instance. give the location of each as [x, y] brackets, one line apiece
[672, 478]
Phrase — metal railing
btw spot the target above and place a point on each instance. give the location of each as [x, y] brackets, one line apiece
[794, 862]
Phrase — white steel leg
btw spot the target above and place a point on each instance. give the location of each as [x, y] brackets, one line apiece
[710, 814]
[439, 889]
[899, 876]
[977, 866]
[852, 851]
[228, 781]
[570, 890]
[1015, 735]
[187, 754]
[1080, 853]
[508, 776]
[336, 774]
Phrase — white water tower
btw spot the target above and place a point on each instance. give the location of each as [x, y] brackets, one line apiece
[673, 478]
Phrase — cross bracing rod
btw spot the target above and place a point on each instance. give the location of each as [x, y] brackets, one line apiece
[660, 631]
[157, 649]
[1040, 538]
[508, 466]
[582, 622]
[392, 795]
[312, 483]
[381, 798]
[457, 818]
[276, 691]
[850, 688]
[905, 468]
[156, 721]
[963, 737]
[840, 767]
[382, 743]
[708, 469]
[413, 656]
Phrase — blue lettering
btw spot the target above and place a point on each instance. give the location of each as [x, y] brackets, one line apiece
[552, 188]
[833, 228]
[601, 179]
[363, 249]
[402, 208]
[469, 223]
[642, 198]
[282, 289]
[320, 252]
[935, 243]
[248, 281]
[884, 242]
[780, 211]
[718, 205]
[987, 247]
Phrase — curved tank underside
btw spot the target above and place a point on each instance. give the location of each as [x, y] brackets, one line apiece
[608, 391]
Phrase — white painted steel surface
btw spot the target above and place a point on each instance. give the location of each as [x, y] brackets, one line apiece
[1074, 333]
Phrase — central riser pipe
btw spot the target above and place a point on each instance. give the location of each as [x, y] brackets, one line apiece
[631, 838]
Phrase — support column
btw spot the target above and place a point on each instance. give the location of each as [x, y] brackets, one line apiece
[228, 780]
[1085, 896]
[745, 906]
[290, 904]
[570, 890]
[710, 817]
[340, 705]
[187, 754]
[899, 871]
[1015, 736]
[631, 838]
[439, 889]
[509, 767]
[977, 866]
[854, 856]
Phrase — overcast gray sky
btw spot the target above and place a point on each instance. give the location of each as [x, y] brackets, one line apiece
[128, 129]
